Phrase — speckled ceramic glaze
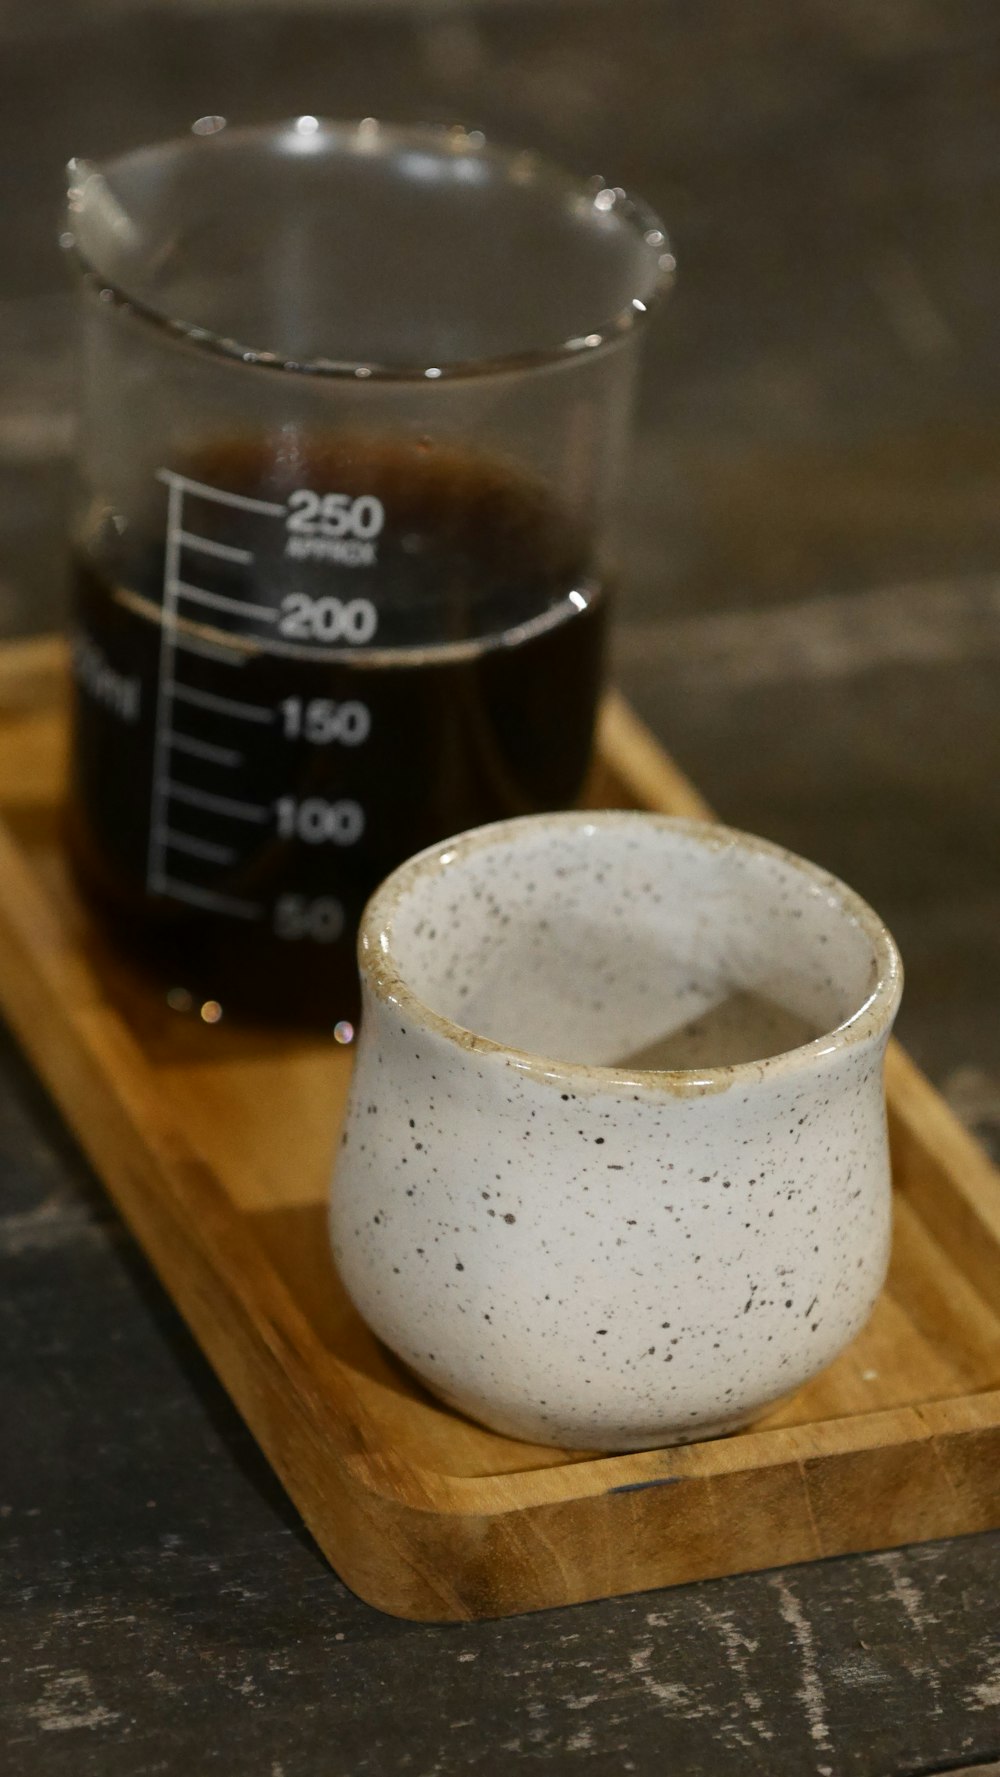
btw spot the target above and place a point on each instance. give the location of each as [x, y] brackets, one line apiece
[567, 1244]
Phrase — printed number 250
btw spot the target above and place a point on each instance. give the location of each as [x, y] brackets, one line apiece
[334, 515]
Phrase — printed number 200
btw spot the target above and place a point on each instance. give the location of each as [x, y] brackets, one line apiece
[327, 619]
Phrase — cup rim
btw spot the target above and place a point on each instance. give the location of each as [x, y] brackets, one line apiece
[209, 134]
[381, 973]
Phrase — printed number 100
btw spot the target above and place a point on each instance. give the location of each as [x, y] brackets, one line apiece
[317, 822]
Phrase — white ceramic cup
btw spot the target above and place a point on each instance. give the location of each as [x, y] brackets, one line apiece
[578, 1192]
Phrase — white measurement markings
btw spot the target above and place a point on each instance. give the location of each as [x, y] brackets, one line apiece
[207, 650]
[203, 749]
[208, 546]
[165, 838]
[225, 706]
[216, 601]
[156, 857]
[198, 848]
[231, 805]
[207, 898]
[242, 502]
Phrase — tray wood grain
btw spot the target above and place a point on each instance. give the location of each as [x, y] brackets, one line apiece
[216, 1142]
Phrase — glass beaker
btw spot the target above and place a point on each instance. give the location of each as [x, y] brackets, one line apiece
[353, 414]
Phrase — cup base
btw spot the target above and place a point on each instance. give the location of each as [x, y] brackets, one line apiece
[529, 1429]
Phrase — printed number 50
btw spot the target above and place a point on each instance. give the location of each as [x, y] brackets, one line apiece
[295, 916]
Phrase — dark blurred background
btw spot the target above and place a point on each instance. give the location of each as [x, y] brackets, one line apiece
[811, 607]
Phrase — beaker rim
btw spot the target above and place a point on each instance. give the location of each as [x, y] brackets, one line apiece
[521, 166]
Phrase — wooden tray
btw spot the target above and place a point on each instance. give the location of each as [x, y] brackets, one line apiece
[216, 1146]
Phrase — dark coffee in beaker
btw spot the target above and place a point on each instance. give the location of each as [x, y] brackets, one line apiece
[311, 661]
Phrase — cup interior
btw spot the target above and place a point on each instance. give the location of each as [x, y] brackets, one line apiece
[631, 940]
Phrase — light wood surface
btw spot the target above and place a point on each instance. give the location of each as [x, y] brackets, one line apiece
[421, 1512]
